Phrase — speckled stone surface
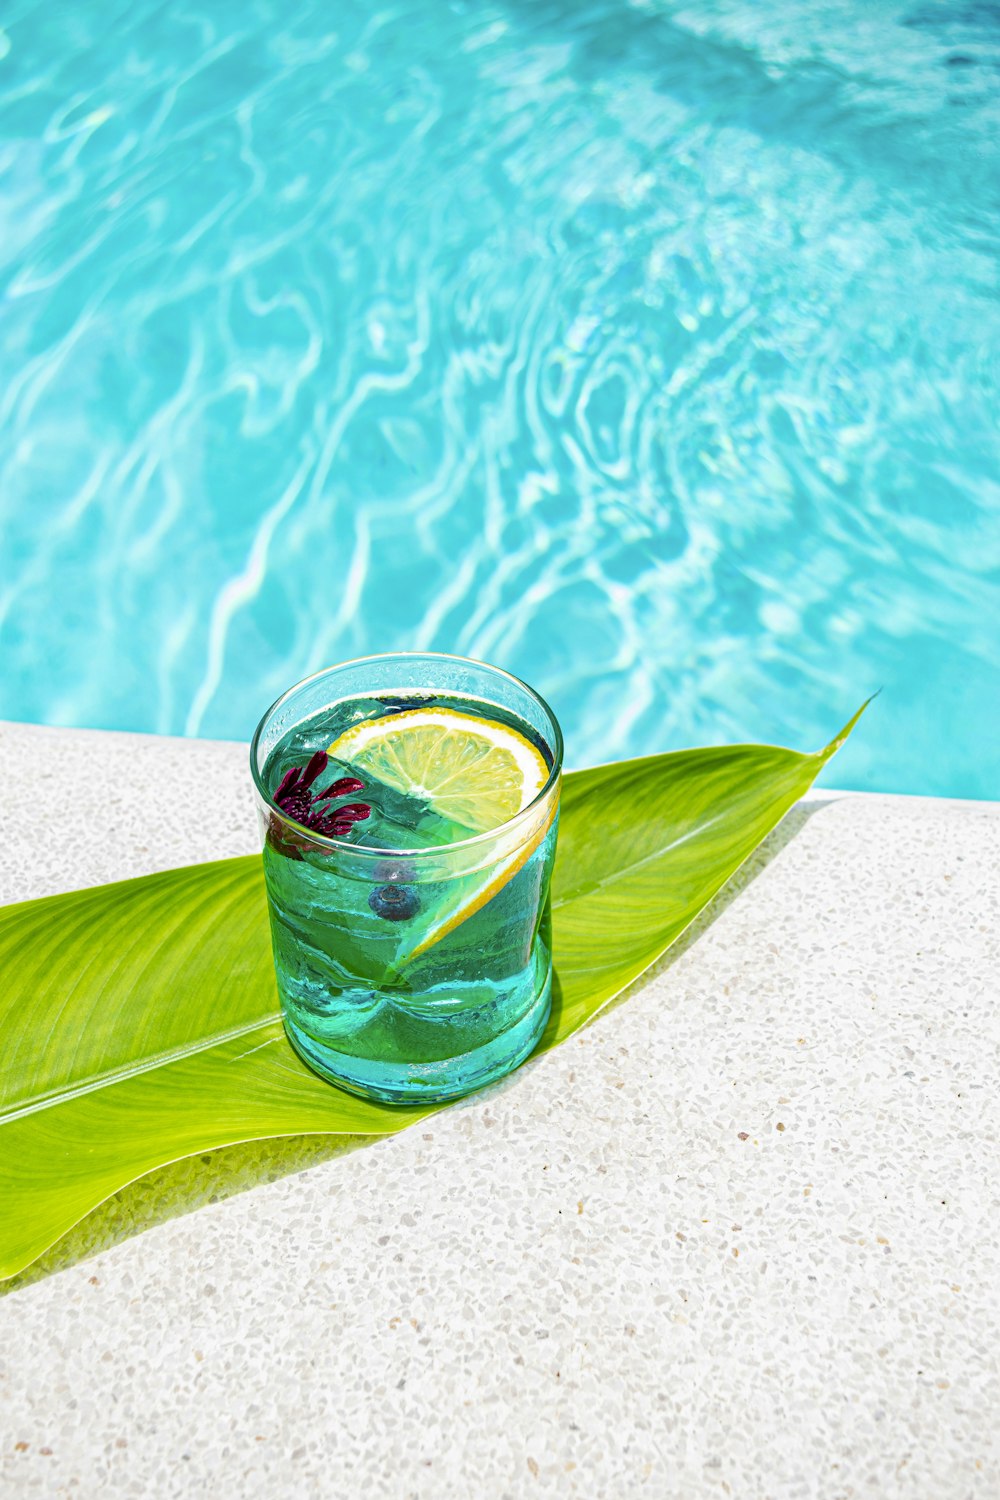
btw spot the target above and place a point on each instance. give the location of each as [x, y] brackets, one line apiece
[738, 1238]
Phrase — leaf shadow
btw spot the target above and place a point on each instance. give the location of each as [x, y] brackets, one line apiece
[195, 1182]
[183, 1187]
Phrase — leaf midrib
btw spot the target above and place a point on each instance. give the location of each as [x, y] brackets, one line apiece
[53, 1097]
[593, 886]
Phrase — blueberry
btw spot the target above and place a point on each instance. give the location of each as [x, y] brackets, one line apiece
[396, 903]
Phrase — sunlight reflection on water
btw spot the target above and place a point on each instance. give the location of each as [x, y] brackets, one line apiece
[650, 352]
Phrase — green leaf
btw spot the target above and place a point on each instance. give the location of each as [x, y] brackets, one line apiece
[139, 1021]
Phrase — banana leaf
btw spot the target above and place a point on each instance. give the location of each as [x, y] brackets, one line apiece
[139, 1021]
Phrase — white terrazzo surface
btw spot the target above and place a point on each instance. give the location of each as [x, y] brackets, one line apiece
[739, 1238]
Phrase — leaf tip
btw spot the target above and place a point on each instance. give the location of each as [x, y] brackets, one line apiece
[845, 733]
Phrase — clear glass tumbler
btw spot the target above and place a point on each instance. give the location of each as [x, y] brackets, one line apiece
[413, 956]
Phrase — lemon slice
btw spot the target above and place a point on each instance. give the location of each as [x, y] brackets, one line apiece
[474, 771]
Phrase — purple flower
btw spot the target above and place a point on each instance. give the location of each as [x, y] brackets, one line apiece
[298, 803]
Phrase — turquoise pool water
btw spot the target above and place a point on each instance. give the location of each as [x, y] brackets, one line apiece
[651, 351]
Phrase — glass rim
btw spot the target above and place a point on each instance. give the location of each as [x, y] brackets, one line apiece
[382, 853]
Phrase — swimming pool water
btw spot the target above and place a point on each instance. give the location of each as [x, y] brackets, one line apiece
[651, 351]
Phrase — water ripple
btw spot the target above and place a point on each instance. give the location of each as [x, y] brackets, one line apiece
[649, 350]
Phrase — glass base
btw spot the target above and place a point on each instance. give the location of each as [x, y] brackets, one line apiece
[428, 1082]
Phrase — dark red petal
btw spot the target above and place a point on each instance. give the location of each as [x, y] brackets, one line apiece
[287, 782]
[353, 812]
[316, 765]
[342, 788]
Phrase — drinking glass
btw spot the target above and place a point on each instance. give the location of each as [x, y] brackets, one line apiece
[410, 973]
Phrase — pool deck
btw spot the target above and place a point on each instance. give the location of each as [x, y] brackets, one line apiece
[736, 1239]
